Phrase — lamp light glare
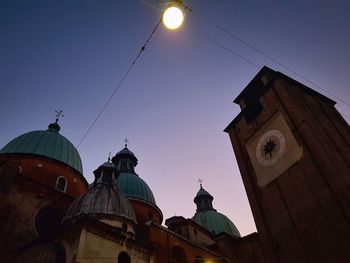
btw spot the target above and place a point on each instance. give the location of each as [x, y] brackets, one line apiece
[173, 17]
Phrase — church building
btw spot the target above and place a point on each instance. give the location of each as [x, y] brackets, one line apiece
[49, 212]
[293, 151]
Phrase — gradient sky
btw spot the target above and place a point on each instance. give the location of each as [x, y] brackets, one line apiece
[177, 99]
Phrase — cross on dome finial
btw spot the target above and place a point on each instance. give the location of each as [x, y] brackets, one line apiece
[200, 181]
[126, 142]
[109, 157]
[59, 114]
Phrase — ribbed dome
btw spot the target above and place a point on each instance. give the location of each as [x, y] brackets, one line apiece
[201, 193]
[125, 151]
[134, 187]
[47, 143]
[215, 222]
[128, 181]
[103, 197]
[209, 218]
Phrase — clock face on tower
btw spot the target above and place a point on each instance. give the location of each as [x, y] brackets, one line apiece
[270, 147]
[273, 149]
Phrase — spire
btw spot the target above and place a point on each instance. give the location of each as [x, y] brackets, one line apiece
[203, 199]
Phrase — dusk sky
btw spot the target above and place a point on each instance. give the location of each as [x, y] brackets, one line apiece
[177, 99]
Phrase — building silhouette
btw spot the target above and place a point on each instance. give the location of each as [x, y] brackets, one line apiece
[293, 151]
[292, 147]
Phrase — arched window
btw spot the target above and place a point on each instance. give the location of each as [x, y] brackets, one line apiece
[178, 255]
[123, 258]
[61, 184]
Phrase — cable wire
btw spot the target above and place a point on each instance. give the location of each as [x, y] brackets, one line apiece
[229, 33]
[277, 62]
[230, 51]
[142, 49]
[256, 50]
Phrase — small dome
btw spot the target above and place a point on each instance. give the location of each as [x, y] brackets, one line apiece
[125, 153]
[202, 193]
[103, 197]
[215, 222]
[209, 218]
[134, 187]
[48, 143]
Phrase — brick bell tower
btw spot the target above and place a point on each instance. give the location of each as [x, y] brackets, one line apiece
[293, 151]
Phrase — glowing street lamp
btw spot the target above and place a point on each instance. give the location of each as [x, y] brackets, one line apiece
[173, 16]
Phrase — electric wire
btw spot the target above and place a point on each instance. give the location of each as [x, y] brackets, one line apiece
[231, 51]
[229, 33]
[218, 45]
[142, 49]
[279, 63]
[246, 60]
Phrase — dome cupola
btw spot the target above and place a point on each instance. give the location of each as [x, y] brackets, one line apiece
[209, 218]
[134, 187]
[46, 143]
[128, 181]
[203, 200]
[125, 160]
[48, 158]
[103, 197]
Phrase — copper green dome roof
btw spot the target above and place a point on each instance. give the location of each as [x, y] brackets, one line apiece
[215, 222]
[134, 187]
[48, 143]
[209, 218]
[202, 192]
[128, 181]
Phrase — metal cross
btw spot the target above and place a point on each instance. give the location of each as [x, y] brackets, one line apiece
[126, 142]
[59, 114]
[109, 156]
[200, 181]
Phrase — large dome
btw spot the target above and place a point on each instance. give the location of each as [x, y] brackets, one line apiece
[48, 143]
[215, 222]
[134, 187]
